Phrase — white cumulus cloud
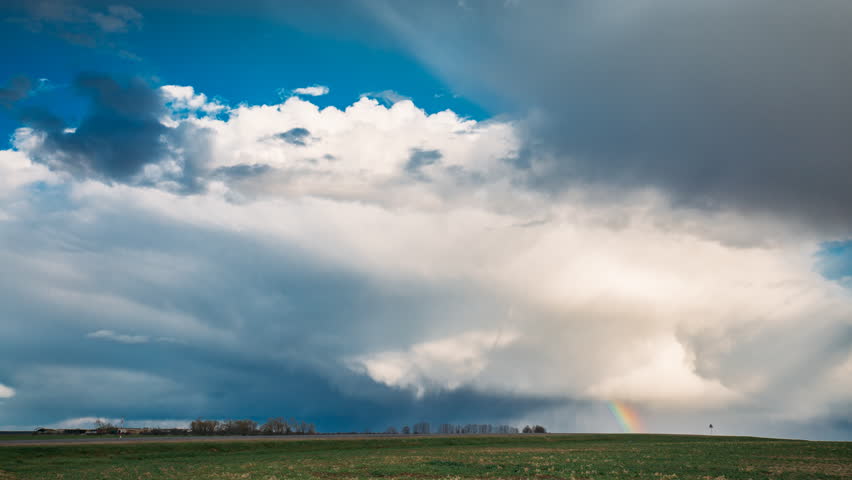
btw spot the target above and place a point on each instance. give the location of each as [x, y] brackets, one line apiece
[6, 392]
[449, 362]
[184, 98]
[312, 91]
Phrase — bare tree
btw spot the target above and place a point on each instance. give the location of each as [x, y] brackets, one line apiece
[391, 430]
[204, 427]
[406, 430]
[274, 426]
[105, 427]
[239, 427]
[422, 428]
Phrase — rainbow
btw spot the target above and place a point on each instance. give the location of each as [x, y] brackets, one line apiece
[627, 417]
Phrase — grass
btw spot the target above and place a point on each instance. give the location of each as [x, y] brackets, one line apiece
[654, 457]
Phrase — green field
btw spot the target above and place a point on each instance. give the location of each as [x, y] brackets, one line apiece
[552, 456]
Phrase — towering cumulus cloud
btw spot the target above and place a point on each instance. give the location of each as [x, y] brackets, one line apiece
[394, 265]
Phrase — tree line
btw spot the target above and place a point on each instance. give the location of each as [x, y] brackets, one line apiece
[273, 426]
[425, 428]
[280, 426]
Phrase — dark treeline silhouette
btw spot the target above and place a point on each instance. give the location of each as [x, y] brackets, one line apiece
[106, 428]
[425, 428]
[280, 426]
[273, 426]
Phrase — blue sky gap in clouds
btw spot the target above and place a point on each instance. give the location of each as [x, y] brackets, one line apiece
[835, 260]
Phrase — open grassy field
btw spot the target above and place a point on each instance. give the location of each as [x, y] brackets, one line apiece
[553, 456]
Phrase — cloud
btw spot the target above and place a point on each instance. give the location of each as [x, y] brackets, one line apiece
[312, 91]
[116, 337]
[118, 18]
[387, 97]
[422, 158]
[16, 171]
[395, 301]
[183, 98]
[82, 26]
[120, 134]
[112, 336]
[295, 136]
[6, 392]
[720, 106]
[447, 362]
[16, 89]
[242, 171]
[668, 374]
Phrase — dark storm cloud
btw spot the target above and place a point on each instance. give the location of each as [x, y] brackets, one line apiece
[41, 119]
[295, 136]
[75, 23]
[831, 428]
[16, 89]
[120, 133]
[720, 104]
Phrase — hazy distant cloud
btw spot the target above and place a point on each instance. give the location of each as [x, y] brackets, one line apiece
[118, 18]
[6, 392]
[82, 26]
[312, 91]
[117, 337]
[64, 15]
[16, 89]
[128, 339]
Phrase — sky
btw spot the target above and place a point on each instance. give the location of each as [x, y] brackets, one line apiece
[374, 213]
